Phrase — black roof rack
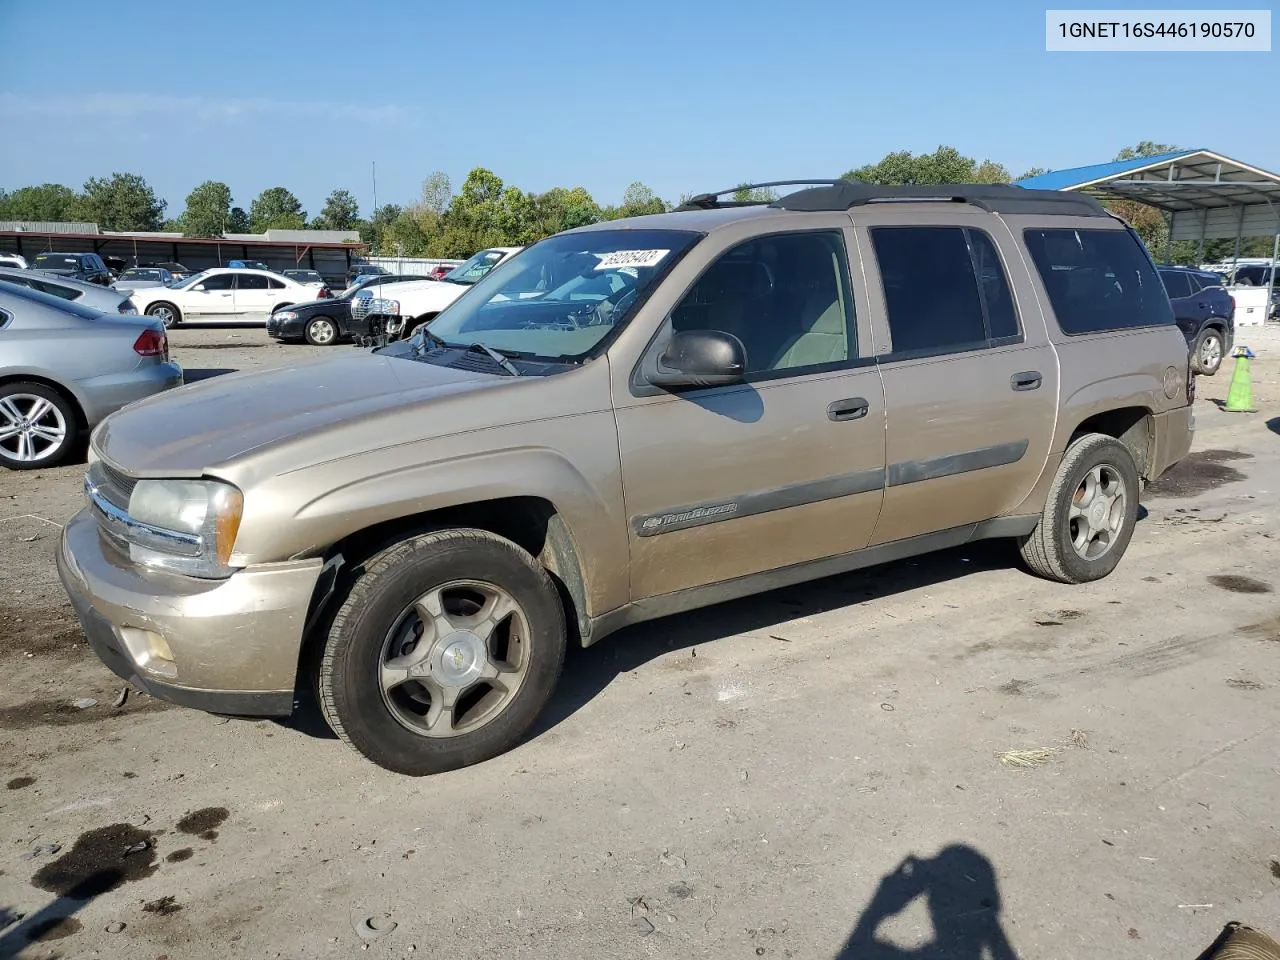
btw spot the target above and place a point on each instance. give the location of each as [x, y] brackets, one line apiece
[711, 201]
[993, 197]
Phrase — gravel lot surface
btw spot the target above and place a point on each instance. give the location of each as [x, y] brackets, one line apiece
[747, 781]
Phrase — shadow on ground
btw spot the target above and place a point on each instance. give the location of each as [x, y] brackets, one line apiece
[587, 672]
[196, 374]
[960, 891]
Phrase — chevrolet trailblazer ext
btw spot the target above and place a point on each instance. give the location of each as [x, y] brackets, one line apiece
[716, 401]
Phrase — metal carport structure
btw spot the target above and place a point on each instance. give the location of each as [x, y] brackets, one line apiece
[1206, 196]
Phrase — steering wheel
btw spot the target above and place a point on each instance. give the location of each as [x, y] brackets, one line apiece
[608, 308]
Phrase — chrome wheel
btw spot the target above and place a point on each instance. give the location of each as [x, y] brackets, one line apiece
[455, 659]
[1210, 353]
[321, 332]
[164, 314]
[32, 428]
[1097, 512]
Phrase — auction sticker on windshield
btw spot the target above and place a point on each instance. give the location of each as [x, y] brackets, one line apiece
[631, 258]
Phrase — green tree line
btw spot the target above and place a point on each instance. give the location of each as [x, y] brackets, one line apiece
[487, 212]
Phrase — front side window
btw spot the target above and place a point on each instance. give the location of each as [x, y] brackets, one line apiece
[527, 306]
[785, 296]
[1098, 280]
[218, 281]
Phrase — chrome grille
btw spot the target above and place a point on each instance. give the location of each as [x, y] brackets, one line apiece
[114, 485]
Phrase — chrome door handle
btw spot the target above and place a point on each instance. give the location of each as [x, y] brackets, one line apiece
[852, 409]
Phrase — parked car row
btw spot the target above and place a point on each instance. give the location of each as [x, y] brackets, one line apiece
[64, 366]
[1205, 312]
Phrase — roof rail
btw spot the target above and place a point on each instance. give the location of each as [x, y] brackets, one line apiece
[992, 197]
[710, 201]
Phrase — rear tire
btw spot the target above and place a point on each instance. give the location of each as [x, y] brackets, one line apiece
[1208, 351]
[1089, 515]
[422, 631]
[166, 313]
[39, 427]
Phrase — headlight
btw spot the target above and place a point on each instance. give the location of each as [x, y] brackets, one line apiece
[187, 526]
[285, 315]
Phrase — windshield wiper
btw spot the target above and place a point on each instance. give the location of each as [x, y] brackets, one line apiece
[497, 358]
[429, 337]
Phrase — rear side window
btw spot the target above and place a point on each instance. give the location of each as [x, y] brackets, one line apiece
[250, 281]
[274, 284]
[945, 289]
[1177, 285]
[1098, 280]
[1204, 281]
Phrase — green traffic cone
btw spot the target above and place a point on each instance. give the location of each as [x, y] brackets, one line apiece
[1240, 394]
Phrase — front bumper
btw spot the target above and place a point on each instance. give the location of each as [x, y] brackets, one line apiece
[226, 646]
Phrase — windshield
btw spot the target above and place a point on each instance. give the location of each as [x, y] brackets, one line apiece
[57, 262]
[469, 271]
[561, 297]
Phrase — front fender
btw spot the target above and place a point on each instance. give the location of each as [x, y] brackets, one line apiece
[587, 497]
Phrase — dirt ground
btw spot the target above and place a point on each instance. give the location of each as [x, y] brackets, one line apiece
[807, 773]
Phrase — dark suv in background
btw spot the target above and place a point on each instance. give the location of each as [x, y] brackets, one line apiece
[1205, 313]
[88, 267]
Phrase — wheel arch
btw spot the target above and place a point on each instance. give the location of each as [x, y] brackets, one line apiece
[1133, 426]
[82, 420]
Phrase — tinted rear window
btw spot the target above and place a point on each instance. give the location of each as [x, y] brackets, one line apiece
[1098, 280]
[1175, 284]
[14, 295]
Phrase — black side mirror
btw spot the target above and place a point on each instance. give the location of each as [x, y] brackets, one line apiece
[700, 358]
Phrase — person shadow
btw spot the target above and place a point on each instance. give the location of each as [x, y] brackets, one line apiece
[960, 892]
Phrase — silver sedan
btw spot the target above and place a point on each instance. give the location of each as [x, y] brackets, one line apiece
[92, 295]
[65, 367]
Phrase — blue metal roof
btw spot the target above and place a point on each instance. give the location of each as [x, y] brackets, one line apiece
[1079, 176]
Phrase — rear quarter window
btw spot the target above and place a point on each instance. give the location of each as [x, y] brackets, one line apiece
[1098, 280]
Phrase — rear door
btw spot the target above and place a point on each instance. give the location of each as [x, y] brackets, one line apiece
[970, 378]
[253, 296]
[1187, 309]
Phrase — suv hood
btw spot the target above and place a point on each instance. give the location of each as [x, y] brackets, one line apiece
[204, 425]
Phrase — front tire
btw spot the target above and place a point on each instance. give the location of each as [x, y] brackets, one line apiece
[1209, 349]
[38, 426]
[166, 313]
[1090, 513]
[321, 332]
[444, 651]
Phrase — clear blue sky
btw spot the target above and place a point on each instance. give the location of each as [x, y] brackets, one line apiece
[682, 95]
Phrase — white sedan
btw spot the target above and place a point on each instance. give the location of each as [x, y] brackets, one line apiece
[222, 295]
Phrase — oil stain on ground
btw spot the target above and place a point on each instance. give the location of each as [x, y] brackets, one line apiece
[180, 855]
[1264, 630]
[1198, 473]
[204, 823]
[100, 861]
[165, 906]
[61, 713]
[42, 629]
[17, 783]
[1238, 584]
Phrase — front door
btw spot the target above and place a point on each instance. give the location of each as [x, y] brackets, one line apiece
[216, 298]
[784, 468]
[971, 394]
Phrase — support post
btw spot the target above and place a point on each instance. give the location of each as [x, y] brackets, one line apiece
[1235, 256]
[1168, 237]
[1275, 265]
[1204, 228]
